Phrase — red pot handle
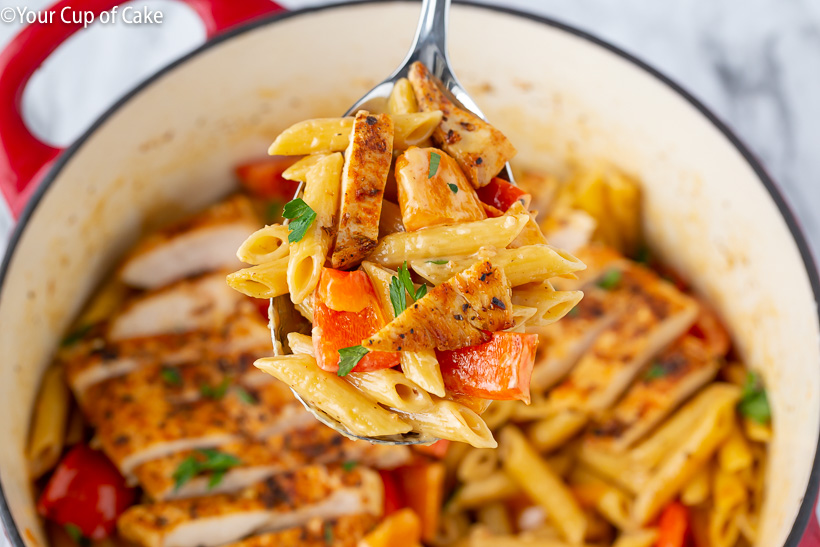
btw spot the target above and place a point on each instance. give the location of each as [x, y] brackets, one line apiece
[24, 159]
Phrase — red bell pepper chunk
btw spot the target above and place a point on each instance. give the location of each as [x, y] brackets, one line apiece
[423, 488]
[86, 491]
[345, 312]
[393, 499]
[437, 450]
[263, 178]
[501, 194]
[674, 527]
[498, 369]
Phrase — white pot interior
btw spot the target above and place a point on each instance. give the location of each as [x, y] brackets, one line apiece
[171, 148]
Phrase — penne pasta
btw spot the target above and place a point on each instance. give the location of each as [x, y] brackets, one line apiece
[734, 455]
[265, 245]
[324, 135]
[455, 240]
[496, 486]
[528, 264]
[267, 280]
[495, 517]
[393, 389]
[639, 538]
[476, 464]
[402, 100]
[550, 305]
[698, 489]
[307, 256]
[301, 344]
[48, 428]
[535, 477]
[333, 395]
[611, 502]
[552, 432]
[299, 170]
[452, 421]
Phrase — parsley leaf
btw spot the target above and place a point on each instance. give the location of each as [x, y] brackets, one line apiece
[655, 371]
[245, 396]
[301, 217]
[349, 465]
[434, 161]
[328, 534]
[349, 358]
[214, 392]
[398, 297]
[171, 376]
[407, 281]
[453, 187]
[754, 403]
[76, 534]
[76, 335]
[204, 460]
[421, 292]
[610, 280]
[439, 262]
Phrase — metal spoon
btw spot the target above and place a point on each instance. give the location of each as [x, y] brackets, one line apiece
[429, 47]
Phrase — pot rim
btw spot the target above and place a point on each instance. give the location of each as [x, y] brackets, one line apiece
[805, 511]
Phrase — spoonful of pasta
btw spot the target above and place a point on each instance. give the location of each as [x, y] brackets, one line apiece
[401, 289]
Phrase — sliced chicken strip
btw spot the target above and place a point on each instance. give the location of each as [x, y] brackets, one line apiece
[367, 163]
[266, 409]
[655, 315]
[453, 315]
[480, 149]
[202, 243]
[598, 259]
[203, 303]
[672, 377]
[315, 444]
[97, 361]
[345, 531]
[284, 501]
[140, 430]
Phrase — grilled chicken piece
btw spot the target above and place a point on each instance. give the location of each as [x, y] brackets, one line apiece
[480, 149]
[444, 198]
[284, 501]
[565, 341]
[273, 410]
[367, 163]
[315, 444]
[97, 361]
[672, 377]
[655, 315]
[204, 303]
[599, 260]
[202, 243]
[453, 315]
[345, 531]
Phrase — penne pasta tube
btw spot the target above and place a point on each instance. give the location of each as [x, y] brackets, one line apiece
[499, 413]
[552, 432]
[393, 389]
[521, 316]
[735, 455]
[493, 487]
[308, 255]
[454, 240]
[550, 305]
[48, 428]
[495, 517]
[638, 538]
[265, 245]
[402, 100]
[333, 395]
[528, 264]
[697, 490]
[323, 135]
[537, 479]
[263, 281]
[684, 461]
[757, 432]
[486, 540]
[618, 468]
[301, 344]
[455, 422]
[476, 464]
[729, 498]
[610, 501]
[299, 170]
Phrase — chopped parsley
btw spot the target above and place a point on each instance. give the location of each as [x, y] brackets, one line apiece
[402, 284]
[328, 534]
[203, 461]
[438, 262]
[349, 465]
[754, 403]
[214, 392]
[610, 280]
[76, 535]
[245, 396]
[434, 161]
[76, 335]
[171, 376]
[398, 296]
[301, 217]
[349, 358]
[453, 187]
[655, 371]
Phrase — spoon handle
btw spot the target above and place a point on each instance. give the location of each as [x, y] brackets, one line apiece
[430, 43]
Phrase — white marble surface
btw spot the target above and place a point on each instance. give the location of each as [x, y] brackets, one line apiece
[756, 63]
